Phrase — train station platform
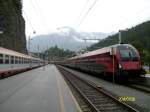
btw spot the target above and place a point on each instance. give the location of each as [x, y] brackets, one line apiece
[38, 90]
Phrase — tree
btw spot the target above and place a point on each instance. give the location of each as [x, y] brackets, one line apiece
[143, 52]
[55, 53]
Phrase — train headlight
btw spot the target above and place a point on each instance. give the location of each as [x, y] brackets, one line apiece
[120, 66]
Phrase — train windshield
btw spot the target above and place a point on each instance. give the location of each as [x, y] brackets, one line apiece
[128, 53]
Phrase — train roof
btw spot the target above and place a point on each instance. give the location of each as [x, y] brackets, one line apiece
[99, 51]
[14, 53]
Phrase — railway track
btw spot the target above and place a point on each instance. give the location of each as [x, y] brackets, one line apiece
[96, 98]
[140, 84]
[139, 87]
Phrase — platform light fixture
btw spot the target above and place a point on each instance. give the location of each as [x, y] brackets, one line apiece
[1, 32]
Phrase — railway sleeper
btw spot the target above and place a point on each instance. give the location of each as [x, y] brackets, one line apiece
[110, 108]
[101, 101]
[85, 108]
[89, 91]
[105, 104]
[95, 98]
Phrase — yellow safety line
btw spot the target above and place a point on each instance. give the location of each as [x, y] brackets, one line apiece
[76, 103]
[71, 94]
[61, 101]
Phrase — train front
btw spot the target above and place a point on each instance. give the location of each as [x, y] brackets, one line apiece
[129, 63]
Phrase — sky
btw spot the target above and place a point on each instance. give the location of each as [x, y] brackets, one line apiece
[47, 16]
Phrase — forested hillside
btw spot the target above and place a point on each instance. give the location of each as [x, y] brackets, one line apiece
[55, 53]
[139, 36]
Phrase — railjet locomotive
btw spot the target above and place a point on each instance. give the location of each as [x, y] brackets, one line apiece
[119, 60]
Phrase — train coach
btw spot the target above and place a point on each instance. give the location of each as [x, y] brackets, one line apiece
[119, 60]
[12, 62]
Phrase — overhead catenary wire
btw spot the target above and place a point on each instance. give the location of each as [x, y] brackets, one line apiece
[15, 9]
[84, 7]
[85, 15]
[42, 14]
[28, 20]
[36, 10]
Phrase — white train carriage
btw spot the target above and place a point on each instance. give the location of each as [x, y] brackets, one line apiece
[12, 61]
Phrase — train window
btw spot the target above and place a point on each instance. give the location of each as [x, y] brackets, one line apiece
[12, 59]
[30, 61]
[1, 58]
[24, 60]
[127, 53]
[19, 60]
[134, 54]
[27, 60]
[6, 59]
[16, 60]
[1, 55]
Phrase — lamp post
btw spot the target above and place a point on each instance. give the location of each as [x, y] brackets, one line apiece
[29, 44]
[1, 29]
[119, 36]
[90, 39]
[38, 48]
[1, 32]
[1, 43]
[1, 24]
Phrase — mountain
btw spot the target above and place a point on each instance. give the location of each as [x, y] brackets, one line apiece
[66, 38]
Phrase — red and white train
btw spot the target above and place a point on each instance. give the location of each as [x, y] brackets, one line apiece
[119, 59]
[12, 62]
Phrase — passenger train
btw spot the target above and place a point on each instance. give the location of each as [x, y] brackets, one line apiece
[119, 60]
[12, 62]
